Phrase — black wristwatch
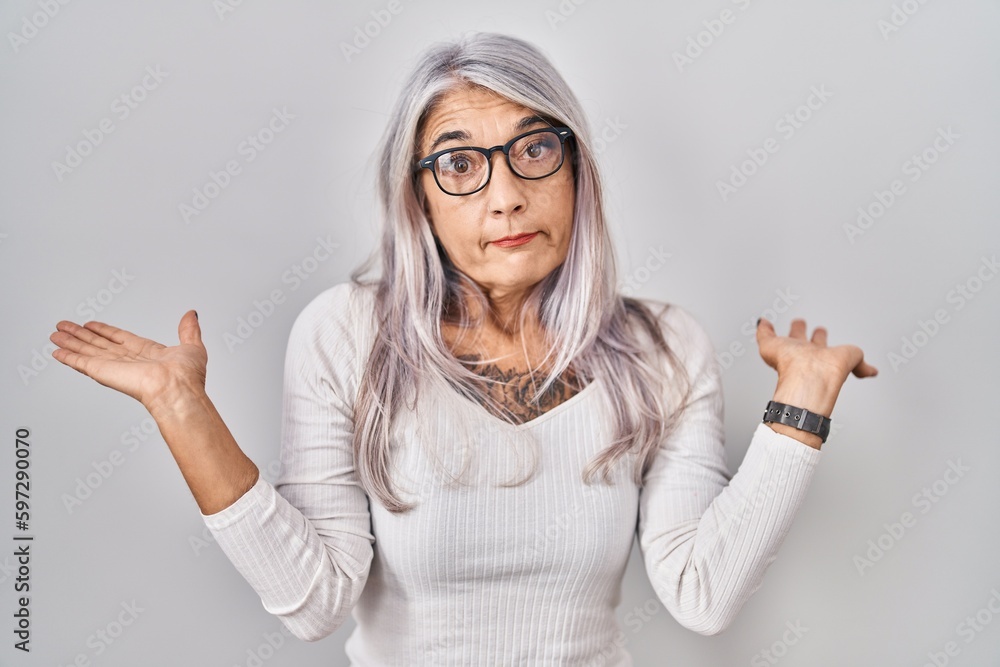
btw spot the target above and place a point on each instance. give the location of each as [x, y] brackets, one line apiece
[781, 413]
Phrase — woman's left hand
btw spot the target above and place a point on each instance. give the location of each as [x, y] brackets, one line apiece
[810, 374]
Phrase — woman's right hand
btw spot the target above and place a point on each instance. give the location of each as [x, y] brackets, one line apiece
[141, 368]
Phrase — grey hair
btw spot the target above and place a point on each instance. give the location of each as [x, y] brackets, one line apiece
[586, 322]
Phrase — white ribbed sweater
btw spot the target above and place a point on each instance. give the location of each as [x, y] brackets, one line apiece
[486, 574]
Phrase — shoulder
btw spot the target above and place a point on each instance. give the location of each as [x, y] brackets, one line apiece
[335, 328]
[681, 330]
[343, 308]
[340, 301]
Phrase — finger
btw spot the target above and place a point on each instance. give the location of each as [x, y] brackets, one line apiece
[114, 334]
[765, 330]
[77, 362]
[83, 334]
[819, 336]
[70, 342]
[864, 370]
[189, 330]
[798, 328]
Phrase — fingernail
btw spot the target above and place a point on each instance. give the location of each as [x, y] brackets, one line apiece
[758, 321]
[196, 314]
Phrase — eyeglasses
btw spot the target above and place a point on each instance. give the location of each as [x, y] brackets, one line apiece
[467, 170]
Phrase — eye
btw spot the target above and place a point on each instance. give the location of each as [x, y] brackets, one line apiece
[538, 146]
[455, 163]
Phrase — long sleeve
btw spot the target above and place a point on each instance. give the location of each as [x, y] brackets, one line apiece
[706, 536]
[305, 543]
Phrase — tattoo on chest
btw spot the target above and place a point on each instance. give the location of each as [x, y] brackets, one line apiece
[513, 389]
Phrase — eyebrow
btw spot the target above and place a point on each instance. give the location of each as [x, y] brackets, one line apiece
[462, 135]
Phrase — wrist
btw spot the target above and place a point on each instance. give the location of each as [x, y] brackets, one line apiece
[811, 392]
[178, 401]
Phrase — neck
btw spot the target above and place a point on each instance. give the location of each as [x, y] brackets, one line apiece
[501, 330]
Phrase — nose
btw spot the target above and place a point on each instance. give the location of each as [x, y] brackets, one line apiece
[505, 191]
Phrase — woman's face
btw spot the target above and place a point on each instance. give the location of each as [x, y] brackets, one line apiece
[468, 226]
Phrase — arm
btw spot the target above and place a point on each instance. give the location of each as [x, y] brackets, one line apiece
[706, 536]
[170, 383]
[307, 550]
[213, 465]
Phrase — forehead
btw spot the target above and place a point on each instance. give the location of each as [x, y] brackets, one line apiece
[471, 100]
[467, 109]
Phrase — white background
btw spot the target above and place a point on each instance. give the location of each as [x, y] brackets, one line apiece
[682, 129]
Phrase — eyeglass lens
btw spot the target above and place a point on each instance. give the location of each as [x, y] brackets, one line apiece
[534, 156]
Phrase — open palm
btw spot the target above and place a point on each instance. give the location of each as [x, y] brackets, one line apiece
[795, 350]
[136, 366]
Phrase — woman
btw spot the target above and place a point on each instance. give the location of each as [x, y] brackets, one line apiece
[494, 328]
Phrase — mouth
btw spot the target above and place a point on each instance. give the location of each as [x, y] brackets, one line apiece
[511, 241]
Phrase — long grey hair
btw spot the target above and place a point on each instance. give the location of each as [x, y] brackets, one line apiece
[586, 322]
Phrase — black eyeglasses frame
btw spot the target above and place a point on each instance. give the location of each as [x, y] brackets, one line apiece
[563, 133]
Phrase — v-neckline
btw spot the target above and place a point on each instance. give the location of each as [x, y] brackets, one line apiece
[562, 407]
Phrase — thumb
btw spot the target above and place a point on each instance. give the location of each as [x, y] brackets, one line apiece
[765, 330]
[189, 331]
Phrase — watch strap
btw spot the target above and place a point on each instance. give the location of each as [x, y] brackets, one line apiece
[800, 418]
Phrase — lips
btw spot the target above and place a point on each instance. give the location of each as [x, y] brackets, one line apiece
[511, 241]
